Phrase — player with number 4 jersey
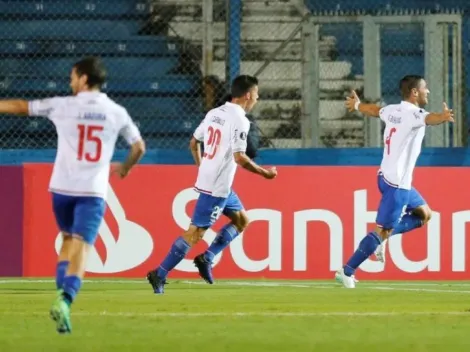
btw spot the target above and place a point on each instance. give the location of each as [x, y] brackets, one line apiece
[88, 125]
[223, 132]
[401, 208]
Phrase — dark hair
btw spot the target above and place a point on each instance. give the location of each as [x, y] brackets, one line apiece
[94, 69]
[408, 83]
[242, 85]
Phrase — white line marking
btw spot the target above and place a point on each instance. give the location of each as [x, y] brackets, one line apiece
[300, 284]
[326, 285]
[245, 314]
[247, 283]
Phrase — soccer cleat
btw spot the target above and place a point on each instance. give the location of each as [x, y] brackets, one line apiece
[205, 268]
[380, 252]
[60, 313]
[156, 282]
[346, 281]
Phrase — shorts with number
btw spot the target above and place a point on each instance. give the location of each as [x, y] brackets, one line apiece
[80, 216]
[208, 208]
[395, 203]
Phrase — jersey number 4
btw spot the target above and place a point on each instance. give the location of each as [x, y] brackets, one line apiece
[88, 134]
[388, 140]
[213, 143]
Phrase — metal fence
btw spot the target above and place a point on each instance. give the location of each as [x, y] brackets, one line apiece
[170, 61]
[372, 54]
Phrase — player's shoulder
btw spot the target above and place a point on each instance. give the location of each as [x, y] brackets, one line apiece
[389, 108]
[115, 108]
[59, 100]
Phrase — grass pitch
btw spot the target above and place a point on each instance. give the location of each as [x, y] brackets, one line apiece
[125, 315]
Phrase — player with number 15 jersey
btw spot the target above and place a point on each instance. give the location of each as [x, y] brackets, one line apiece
[401, 208]
[88, 125]
[223, 132]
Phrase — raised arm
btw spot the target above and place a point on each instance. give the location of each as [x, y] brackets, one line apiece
[436, 118]
[353, 103]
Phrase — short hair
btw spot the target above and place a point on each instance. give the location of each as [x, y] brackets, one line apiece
[408, 83]
[242, 85]
[94, 69]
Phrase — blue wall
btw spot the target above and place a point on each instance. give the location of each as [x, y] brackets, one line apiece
[350, 156]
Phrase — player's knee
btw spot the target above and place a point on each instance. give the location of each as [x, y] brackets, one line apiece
[193, 235]
[242, 221]
[383, 233]
[424, 213]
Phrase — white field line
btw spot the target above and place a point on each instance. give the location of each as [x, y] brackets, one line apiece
[300, 284]
[246, 314]
[297, 283]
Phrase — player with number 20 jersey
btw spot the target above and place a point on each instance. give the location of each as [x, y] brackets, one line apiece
[88, 125]
[223, 132]
[401, 208]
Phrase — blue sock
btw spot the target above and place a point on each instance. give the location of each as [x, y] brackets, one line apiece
[61, 270]
[72, 286]
[226, 235]
[367, 246]
[178, 251]
[408, 222]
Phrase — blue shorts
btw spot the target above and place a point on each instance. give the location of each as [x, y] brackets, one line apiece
[395, 203]
[208, 208]
[79, 215]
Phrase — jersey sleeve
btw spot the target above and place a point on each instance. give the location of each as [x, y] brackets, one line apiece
[383, 113]
[240, 135]
[419, 118]
[199, 132]
[44, 107]
[130, 132]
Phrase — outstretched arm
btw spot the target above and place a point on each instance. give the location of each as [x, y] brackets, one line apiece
[14, 107]
[435, 118]
[353, 103]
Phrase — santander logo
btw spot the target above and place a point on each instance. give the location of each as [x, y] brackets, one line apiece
[133, 246]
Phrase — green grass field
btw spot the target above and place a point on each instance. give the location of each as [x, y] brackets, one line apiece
[120, 315]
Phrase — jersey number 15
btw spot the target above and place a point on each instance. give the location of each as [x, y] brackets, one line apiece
[88, 134]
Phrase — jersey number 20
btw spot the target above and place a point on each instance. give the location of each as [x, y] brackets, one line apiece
[87, 134]
[212, 143]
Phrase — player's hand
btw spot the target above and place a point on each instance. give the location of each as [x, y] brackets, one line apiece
[447, 113]
[270, 173]
[120, 170]
[351, 101]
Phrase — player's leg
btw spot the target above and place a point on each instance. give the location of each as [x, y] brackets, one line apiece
[206, 212]
[63, 207]
[391, 208]
[239, 221]
[88, 215]
[417, 214]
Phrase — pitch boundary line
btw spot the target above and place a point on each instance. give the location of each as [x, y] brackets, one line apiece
[237, 282]
[249, 314]
[318, 285]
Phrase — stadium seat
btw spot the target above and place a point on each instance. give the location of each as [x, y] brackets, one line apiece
[380, 5]
[77, 8]
[129, 67]
[160, 107]
[168, 84]
[135, 45]
[173, 126]
[65, 29]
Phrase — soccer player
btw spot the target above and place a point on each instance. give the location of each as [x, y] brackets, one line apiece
[224, 133]
[88, 125]
[401, 208]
